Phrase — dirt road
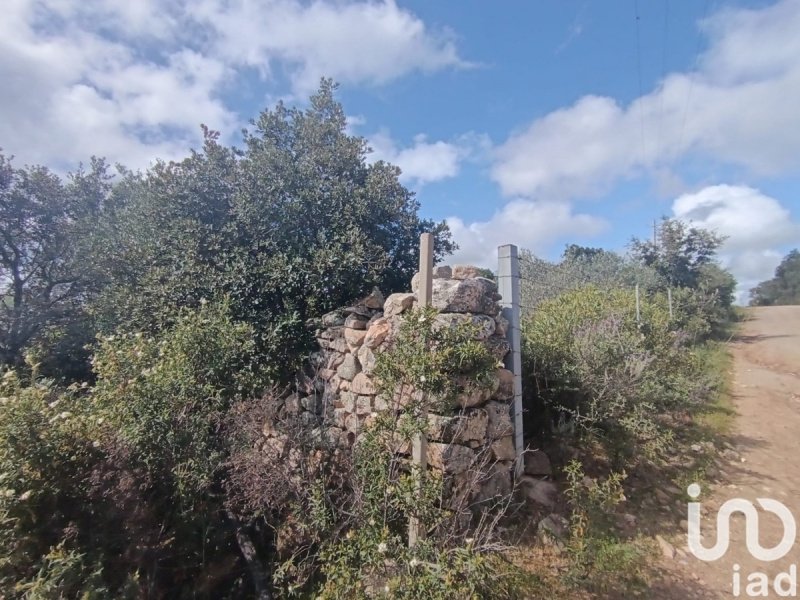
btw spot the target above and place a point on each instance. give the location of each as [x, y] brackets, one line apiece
[767, 438]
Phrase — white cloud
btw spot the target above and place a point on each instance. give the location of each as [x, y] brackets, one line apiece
[423, 162]
[741, 106]
[528, 224]
[756, 225]
[133, 80]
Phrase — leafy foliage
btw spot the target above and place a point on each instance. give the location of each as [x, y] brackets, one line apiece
[784, 288]
[291, 226]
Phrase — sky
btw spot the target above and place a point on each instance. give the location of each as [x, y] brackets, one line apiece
[532, 122]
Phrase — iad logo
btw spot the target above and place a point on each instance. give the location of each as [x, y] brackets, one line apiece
[750, 513]
[757, 584]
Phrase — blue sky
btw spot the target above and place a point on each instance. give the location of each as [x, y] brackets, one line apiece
[538, 123]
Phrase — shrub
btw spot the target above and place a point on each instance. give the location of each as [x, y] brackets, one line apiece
[589, 360]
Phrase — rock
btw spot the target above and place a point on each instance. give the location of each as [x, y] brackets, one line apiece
[331, 333]
[554, 526]
[443, 272]
[361, 311]
[473, 394]
[484, 325]
[450, 458]
[542, 492]
[499, 347]
[355, 322]
[363, 405]
[354, 338]
[326, 374]
[537, 463]
[505, 388]
[292, 404]
[339, 345]
[346, 401]
[460, 428]
[500, 425]
[334, 360]
[375, 300]
[367, 359]
[349, 368]
[501, 325]
[465, 272]
[496, 482]
[362, 385]
[397, 304]
[503, 449]
[377, 332]
[464, 296]
[311, 403]
[333, 319]
[667, 549]
[380, 404]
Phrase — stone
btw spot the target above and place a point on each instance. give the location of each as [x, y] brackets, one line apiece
[377, 332]
[362, 385]
[496, 482]
[503, 449]
[500, 425]
[464, 296]
[375, 300]
[450, 458]
[355, 322]
[346, 401]
[354, 338]
[326, 374]
[539, 491]
[499, 347]
[501, 325]
[483, 325]
[380, 404]
[363, 405]
[339, 345]
[397, 304]
[339, 417]
[292, 404]
[505, 388]
[667, 549]
[349, 368]
[333, 319]
[458, 428]
[334, 360]
[474, 394]
[443, 272]
[465, 272]
[331, 333]
[554, 526]
[537, 463]
[367, 359]
[311, 403]
[352, 423]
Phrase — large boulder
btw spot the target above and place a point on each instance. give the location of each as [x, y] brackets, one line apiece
[367, 359]
[465, 296]
[349, 368]
[484, 325]
[450, 458]
[377, 332]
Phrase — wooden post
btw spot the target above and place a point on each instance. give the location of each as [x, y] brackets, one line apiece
[638, 311]
[419, 449]
[508, 280]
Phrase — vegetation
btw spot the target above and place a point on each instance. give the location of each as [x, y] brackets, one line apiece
[784, 288]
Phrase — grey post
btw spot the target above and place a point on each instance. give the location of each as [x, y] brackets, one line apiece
[638, 311]
[508, 287]
[419, 449]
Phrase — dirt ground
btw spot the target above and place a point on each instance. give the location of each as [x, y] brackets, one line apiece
[766, 437]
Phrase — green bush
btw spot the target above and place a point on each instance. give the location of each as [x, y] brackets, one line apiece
[591, 362]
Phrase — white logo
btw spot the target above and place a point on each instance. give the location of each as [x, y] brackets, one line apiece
[751, 528]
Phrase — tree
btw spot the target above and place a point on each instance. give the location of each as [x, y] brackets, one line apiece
[288, 227]
[43, 276]
[783, 288]
[680, 252]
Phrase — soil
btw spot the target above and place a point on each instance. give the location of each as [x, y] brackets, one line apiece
[765, 464]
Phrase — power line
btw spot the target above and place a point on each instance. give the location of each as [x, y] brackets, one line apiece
[692, 78]
[639, 73]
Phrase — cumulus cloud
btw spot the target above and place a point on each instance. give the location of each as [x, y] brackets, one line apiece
[425, 161]
[757, 228]
[134, 80]
[738, 107]
[526, 223]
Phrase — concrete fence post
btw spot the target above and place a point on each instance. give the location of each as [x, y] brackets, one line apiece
[508, 281]
[419, 447]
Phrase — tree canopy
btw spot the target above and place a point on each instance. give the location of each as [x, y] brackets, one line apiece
[783, 288]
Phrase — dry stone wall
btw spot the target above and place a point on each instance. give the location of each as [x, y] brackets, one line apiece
[336, 396]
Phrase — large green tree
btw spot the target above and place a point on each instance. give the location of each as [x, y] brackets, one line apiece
[783, 288]
[44, 276]
[293, 224]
